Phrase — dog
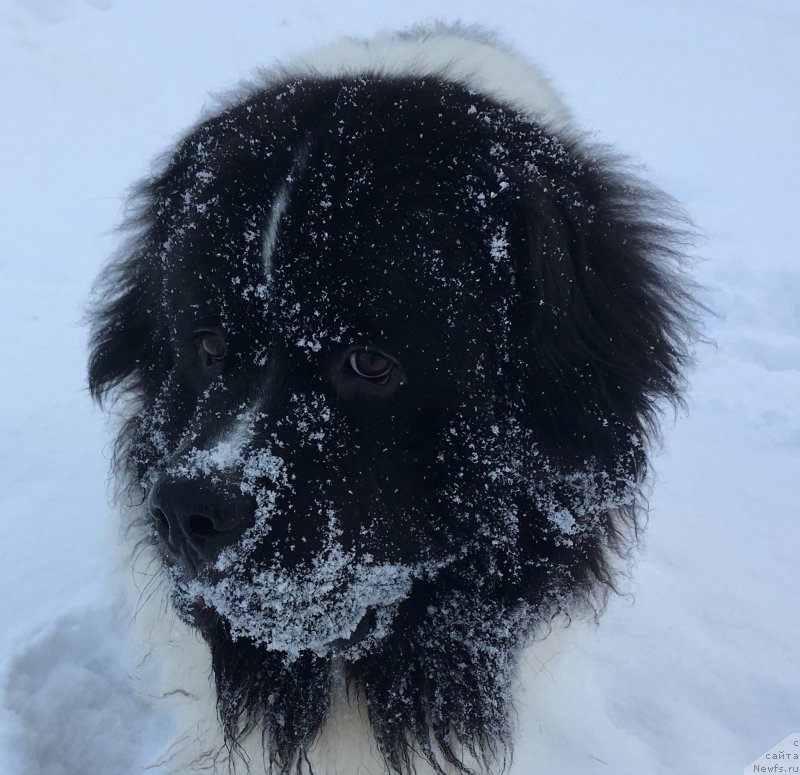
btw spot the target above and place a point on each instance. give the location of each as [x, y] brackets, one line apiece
[393, 337]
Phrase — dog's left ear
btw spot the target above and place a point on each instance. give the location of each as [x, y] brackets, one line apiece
[604, 316]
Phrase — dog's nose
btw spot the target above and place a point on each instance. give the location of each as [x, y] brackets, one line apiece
[196, 520]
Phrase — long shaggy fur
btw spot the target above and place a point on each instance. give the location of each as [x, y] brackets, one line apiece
[411, 537]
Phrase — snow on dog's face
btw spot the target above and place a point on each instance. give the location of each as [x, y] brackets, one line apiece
[395, 348]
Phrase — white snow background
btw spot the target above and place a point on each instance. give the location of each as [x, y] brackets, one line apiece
[697, 670]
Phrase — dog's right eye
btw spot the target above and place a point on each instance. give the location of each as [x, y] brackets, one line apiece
[371, 365]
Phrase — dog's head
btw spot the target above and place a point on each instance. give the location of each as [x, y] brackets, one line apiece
[394, 349]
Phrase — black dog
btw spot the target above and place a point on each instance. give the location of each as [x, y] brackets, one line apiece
[395, 335]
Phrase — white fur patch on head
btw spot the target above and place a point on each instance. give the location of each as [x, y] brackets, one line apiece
[279, 205]
[459, 54]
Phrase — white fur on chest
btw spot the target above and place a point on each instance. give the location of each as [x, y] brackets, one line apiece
[177, 676]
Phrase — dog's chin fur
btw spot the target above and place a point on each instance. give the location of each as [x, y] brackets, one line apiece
[390, 546]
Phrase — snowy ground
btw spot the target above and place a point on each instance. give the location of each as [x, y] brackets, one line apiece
[699, 670]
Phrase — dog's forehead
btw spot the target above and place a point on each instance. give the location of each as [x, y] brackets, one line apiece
[402, 206]
[387, 209]
[412, 192]
[389, 280]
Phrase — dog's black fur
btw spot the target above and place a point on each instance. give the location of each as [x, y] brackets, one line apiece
[526, 294]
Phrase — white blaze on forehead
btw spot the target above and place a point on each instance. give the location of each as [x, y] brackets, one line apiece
[279, 205]
[461, 55]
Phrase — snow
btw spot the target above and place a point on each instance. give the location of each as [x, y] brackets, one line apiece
[301, 611]
[60, 690]
[697, 668]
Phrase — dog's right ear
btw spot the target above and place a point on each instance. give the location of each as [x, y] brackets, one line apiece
[123, 345]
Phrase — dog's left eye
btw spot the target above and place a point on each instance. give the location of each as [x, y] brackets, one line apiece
[371, 365]
[211, 348]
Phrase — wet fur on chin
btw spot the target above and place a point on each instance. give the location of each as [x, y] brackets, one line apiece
[530, 291]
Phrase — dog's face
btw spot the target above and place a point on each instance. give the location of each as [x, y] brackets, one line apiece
[329, 379]
[395, 349]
